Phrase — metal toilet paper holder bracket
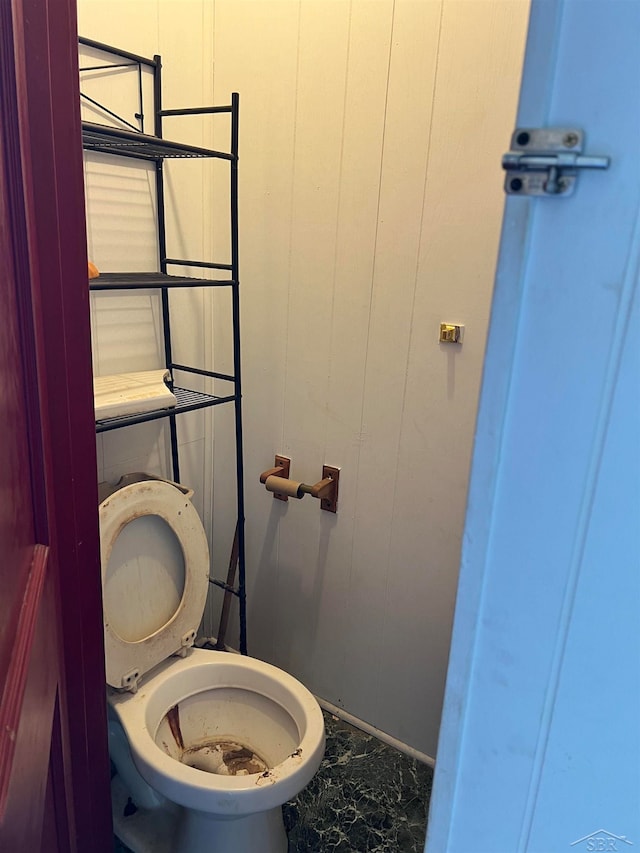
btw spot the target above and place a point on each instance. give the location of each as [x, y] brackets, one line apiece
[326, 489]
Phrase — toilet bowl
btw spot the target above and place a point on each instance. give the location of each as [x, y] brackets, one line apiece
[207, 745]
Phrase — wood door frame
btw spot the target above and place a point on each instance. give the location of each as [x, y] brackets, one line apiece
[42, 137]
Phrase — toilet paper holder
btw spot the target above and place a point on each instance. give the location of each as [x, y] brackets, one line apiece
[277, 481]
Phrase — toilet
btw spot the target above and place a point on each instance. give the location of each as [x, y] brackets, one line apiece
[207, 745]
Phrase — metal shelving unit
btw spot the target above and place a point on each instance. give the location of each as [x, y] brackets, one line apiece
[135, 143]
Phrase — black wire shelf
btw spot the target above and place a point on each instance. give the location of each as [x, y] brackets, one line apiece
[127, 143]
[151, 280]
[154, 149]
[187, 401]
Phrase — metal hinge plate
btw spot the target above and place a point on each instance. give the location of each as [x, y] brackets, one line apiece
[545, 161]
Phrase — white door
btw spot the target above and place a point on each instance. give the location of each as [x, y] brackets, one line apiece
[540, 741]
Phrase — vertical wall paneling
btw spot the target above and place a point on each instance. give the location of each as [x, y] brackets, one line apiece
[267, 36]
[364, 107]
[414, 53]
[304, 537]
[460, 230]
[370, 204]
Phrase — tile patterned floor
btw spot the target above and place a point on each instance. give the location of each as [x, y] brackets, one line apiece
[366, 798]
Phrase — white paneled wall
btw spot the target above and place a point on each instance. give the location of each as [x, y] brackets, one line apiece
[371, 200]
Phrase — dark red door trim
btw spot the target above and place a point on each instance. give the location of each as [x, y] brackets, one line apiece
[40, 130]
[16, 678]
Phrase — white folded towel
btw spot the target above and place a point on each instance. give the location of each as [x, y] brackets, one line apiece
[131, 393]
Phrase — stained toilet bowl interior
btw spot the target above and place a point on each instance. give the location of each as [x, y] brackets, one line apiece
[229, 731]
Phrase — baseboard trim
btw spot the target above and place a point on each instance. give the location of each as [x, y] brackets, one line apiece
[372, 730]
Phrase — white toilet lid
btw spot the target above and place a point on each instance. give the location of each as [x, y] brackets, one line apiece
[155, 576]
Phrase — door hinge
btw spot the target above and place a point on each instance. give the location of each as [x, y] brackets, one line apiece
[545, 161]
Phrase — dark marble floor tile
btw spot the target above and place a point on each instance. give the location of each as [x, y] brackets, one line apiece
[366, 798]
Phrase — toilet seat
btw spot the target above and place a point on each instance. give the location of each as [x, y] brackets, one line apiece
[128, 660]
